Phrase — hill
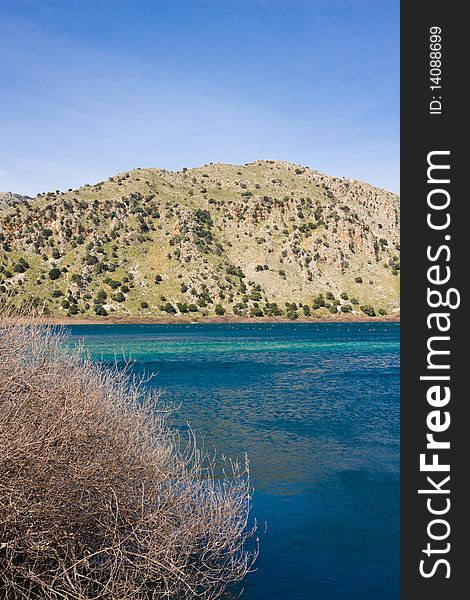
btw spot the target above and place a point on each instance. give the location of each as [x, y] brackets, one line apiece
[266, 238]
[9, 199]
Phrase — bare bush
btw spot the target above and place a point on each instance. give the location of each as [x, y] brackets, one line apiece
[99, 498]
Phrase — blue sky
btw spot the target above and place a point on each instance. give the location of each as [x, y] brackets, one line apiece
[93, 87]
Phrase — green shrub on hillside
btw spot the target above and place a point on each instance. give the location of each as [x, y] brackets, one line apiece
[73, 310]
[271, 309]
[368, 310]
[54, 273]
[19, 268]
[318, 302]
[101, 296]
[182, 307]
[168, 308]
[292, 314]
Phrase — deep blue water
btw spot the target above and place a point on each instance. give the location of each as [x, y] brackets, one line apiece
[316, 407]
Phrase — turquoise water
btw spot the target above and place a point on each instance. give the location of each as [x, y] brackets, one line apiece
[316, 407]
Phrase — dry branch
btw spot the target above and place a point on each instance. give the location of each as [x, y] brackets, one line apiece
[99, 498]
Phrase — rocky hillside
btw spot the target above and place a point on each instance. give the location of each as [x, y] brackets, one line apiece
[9, 199]
[264, 239]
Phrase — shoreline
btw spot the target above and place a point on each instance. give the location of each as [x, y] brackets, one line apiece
[137, 320]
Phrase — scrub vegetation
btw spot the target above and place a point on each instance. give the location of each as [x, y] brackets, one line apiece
[99, 498]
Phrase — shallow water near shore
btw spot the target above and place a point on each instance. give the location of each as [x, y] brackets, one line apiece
[316, 408]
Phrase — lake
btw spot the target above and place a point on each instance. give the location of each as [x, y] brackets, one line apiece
[316, 407]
